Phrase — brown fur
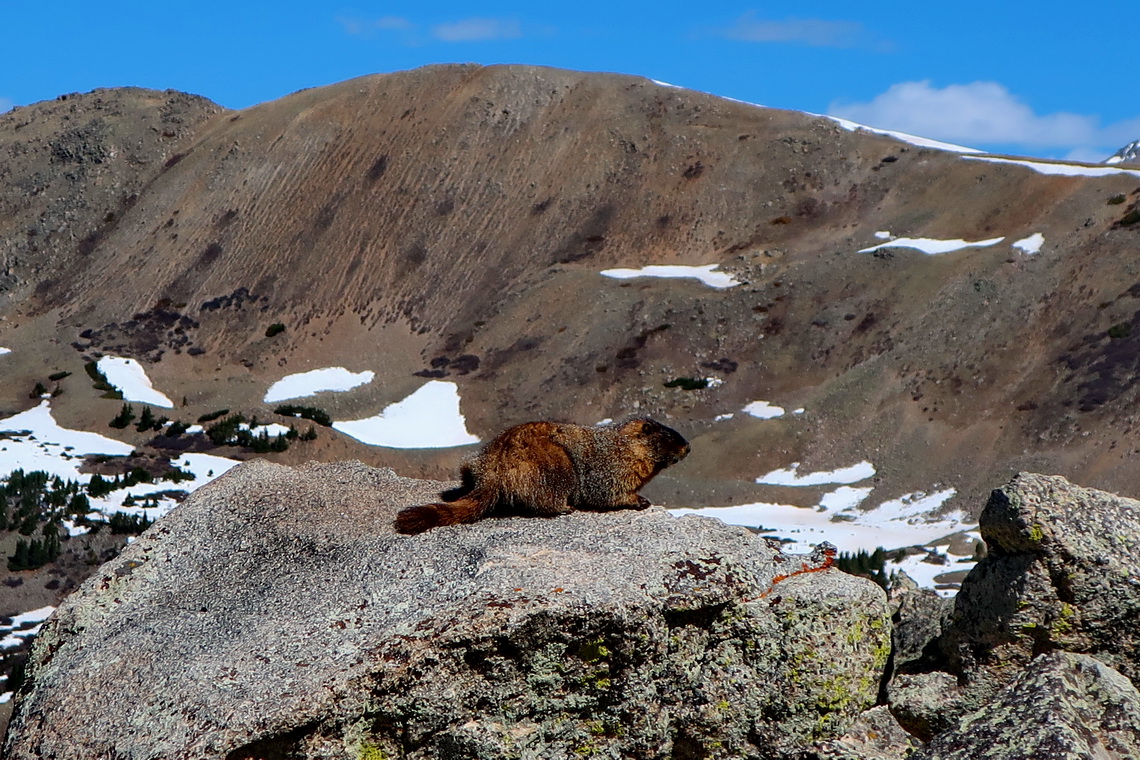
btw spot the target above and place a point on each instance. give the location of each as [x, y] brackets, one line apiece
[551, 468]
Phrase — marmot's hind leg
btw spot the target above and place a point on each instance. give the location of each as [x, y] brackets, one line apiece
[466, 486]
[546, 484]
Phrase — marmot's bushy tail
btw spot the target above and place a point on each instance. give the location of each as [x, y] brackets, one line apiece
[421, 518]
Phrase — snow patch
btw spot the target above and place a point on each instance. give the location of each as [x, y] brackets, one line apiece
[932, 246]
[316, 381]
[841, 476]
[5, 351]
[14, 634]
[922, 142]
[899, 523]
[703, 273]
[1065, 170]
[37, 442]
[763, 410]
[1031, 244]
[926, 573]
[850, 529]
[844, 498]
[272, 430]
[883, 235]
[428, 419]
[130, 379]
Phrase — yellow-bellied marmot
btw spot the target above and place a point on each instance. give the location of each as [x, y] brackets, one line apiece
[552, 468]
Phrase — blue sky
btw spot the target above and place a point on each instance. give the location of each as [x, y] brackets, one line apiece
[1041, 79]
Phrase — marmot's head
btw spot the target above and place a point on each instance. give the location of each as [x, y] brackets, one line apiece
[665, 445]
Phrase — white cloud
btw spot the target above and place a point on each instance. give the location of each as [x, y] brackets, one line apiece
[808, 31]
[477, 30]
[412, 33]
[984, 112]
[358, 27]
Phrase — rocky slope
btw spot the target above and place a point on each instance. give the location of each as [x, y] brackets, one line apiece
[451, 222]
[277, 614]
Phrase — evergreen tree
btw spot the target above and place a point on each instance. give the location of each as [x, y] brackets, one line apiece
[19, 560]
[79, 504]
[124, 417]
[29, 523]
[146, 420]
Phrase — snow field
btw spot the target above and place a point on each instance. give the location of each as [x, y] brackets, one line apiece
[763, 410]
[1031, 244]
[429, 418]
[932, 246]
[1064, 170]
[844, 475]
[130, 379]
[316, 381]
[921, 142]
[35, 441]
[705, 274]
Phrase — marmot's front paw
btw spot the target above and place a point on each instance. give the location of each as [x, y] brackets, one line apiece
[642, 502]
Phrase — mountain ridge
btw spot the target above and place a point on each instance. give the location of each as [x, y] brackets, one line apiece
[398, 222]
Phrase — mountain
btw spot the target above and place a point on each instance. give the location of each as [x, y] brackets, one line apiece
[452, 223]
[1129, 155]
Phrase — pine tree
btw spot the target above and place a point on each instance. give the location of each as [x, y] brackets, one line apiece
[124, 417]
[19, 560]
[79, 505]
[146, 420]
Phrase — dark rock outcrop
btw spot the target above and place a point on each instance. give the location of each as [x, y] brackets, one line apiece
[1063, 706]
[920, 615]
[1060, 576]
[276, 614]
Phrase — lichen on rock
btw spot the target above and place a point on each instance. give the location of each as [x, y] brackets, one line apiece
[1064, 706]
[276, 613]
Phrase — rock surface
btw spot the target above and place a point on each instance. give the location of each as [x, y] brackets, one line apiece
[1061, 574]
[1063, 707]
[275, 613]
[875, 735]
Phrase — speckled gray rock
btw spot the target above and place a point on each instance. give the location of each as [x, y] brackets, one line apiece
[1061, 574]
[920, 615]
[276, 614]
[875, 735]
[1062, 707]
[926, 704]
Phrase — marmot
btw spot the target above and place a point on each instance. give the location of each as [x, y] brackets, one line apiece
[552, 468]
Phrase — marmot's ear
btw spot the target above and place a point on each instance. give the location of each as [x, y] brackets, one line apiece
[635, 427]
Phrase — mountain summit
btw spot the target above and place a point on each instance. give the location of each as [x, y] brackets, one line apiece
[1129, 154]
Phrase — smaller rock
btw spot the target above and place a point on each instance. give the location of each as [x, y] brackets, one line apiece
[875, 735]
[1064, 706]
[925, 704]
[920, 615]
